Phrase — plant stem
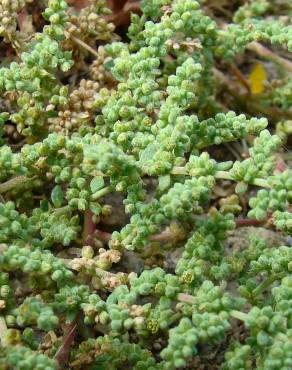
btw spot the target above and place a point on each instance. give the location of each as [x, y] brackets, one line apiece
[63, 352]
[163, 236]
[61, 211]
[102, 192]
[247, 104]
[192, 300]
[13, 183]
[261, 183]
[3, 330]
[222, 175]
[225, 175]
[104, 236]
[174, 318]
[176, 170]
[84, 45]
[269, 55]
[88, 228]
[264, 285]
[238, 315]
[183, 297]
[240, 222]
[241, 78]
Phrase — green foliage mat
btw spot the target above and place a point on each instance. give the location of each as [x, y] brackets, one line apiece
[164, 116]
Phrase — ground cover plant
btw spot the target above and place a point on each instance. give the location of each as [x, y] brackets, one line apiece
[139, 140]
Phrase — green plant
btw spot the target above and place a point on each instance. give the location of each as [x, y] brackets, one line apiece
[145, 128]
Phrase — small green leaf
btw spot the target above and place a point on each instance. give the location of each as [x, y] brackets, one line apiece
[57, 196]
[263, 339]
[96, 184]
[109, 65]
[52, 113]
[164, 182]
[70, 316]
[224, 166]
[149, 152]
[241, 187]
[44, 205]
[4, 117]
[95, 208]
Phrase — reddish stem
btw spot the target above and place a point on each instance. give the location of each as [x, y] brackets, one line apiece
[103, 235]
[240, 76]
[24, 21]
[163, 236]
[88, 228]
[240, 222]
[79, 4]
[62, 354]
[280, 165]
